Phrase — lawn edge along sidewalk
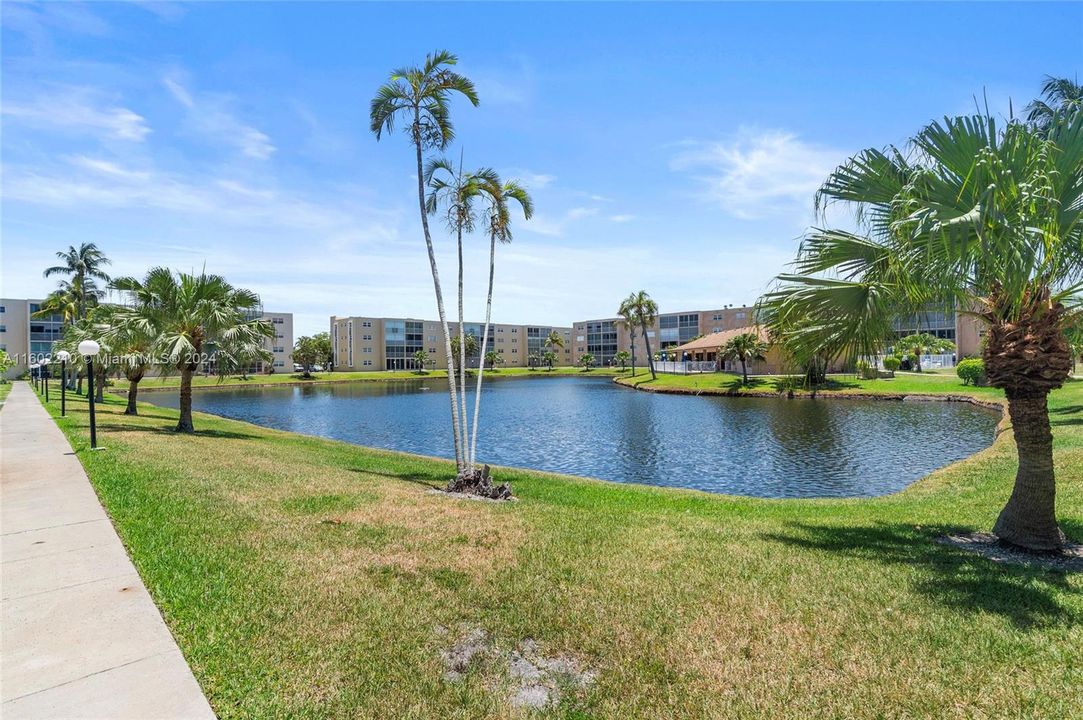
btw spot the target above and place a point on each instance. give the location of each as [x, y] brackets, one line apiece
[81, 635]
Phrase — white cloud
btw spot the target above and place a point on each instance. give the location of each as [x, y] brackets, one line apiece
[760, 174]
[532, 181]
[212, 116]
[622, 218]
[80, 110]
[556, 226]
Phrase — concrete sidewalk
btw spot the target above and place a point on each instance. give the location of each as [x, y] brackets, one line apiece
[81, 636]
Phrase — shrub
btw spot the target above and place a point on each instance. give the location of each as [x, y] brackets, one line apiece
[892, 363]
[971, 371]
[867, 371]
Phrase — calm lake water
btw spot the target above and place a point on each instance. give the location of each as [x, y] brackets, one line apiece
[590, 426]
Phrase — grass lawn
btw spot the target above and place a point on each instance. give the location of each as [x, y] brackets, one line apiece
[306, 578]
[172, 381]
[5, 388]
[903, 383]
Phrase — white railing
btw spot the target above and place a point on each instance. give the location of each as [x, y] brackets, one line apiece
[928, 362]
[686, 367]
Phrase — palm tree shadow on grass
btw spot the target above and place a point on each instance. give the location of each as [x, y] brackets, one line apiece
[956, 579]
[1069, 415]
[159, 430]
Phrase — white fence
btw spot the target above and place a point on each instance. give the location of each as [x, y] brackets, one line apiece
[928, 362]
[686, 367]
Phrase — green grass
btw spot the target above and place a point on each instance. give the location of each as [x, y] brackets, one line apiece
[304, 578]
[5, 388]
[727, 383]
[172, 381]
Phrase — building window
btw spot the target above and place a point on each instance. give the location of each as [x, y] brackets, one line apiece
[432, 350]
[279, 363]
[3, 328]
[366, 336]
[367, 350]
[280, 349]
[367, 363]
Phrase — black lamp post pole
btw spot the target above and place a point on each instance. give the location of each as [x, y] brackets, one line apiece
[46, 388]
[63, 388]
[90, 395]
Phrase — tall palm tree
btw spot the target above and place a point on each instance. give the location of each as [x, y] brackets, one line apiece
[500, 196]
[1060, 97]
[456, 192]
[746, 347]
[82, 265]
[188, 314]
[71, 300]
[554, 340]
[642, 311]
[989, 215]
[420, 98]
[628, 321]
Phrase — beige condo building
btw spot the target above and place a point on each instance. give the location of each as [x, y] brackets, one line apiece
[379, 343]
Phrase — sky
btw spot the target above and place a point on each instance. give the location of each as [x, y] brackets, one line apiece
[674, 148]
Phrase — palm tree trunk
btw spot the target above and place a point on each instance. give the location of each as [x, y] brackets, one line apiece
[650, 357]
[484, 344]
[744, 372]
[452, 389]
[79, 383]
[184, 424]
[99, 384]
[1030, 519]
[462, 357]
[133, 392]
[632, 334]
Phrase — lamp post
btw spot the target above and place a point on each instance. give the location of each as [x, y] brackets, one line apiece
[88, 349]
[63, 357]
[45, 369]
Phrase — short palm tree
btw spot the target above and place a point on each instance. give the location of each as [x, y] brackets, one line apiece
[924, 343]
[131, 345]
[586, 361]
[83, 265]
[187, 314]
[745, 348]
[621, 358]
[421, 359]
[420, 98]
[492, 359]
[988, 216]
[550, 359]
[641, 311]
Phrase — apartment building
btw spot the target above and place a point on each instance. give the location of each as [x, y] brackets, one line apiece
[378, 343]
[605, 337]
[281, 345]
[25, 338]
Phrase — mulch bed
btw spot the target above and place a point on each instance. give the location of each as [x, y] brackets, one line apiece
[1068, 559]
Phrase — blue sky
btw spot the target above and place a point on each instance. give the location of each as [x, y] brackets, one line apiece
[669, 147]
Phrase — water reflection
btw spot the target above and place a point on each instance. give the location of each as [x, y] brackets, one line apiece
[589, 426]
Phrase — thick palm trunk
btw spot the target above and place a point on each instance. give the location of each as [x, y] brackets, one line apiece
[633, 336]
[99, 384]
[79, 384]
[452, 388]
[184, 424]
[650, 356]
[484, 345]
[133, 392]
[1030, 519]
[744, 372]
[1027, 355]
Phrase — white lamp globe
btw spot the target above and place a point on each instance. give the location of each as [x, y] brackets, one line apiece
[63, 356]
[89, 347]
[34, 366]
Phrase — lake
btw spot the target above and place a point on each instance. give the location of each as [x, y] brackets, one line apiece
[590, 426]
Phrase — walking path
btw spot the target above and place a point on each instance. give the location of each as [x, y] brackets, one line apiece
[81, 637]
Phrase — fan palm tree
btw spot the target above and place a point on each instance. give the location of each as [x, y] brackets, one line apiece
[642, 311]
[421, 359]
[549, 358]
[82, 265]
[471, 344]
[420, 98]
[71, 300]
[1060, 97]
[621, 358]
[554, 340]
[745, 348]
[187, 314]
[988, 215]
[132, 348]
